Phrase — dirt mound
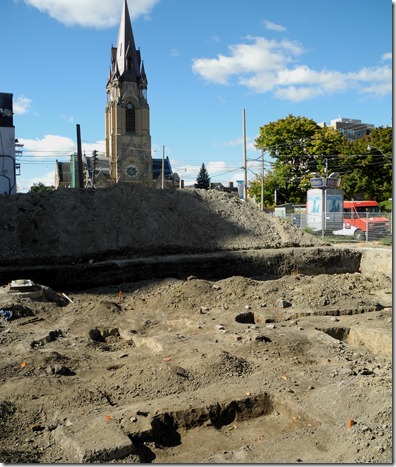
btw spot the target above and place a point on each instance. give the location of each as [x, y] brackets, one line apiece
[131, 220]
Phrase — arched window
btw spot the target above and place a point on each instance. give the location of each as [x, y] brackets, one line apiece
[130, 124]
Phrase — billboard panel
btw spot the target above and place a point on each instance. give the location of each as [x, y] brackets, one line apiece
[314, 209]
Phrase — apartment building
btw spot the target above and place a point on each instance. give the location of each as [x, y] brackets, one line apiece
[350, 127]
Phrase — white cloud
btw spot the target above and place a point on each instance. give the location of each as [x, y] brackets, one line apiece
[297, 94]
[387, 56]
[44, 152]
[57, 146]
[189, 172]
[21, 105]
[219, 171]
[273, 26]
[99, 146]
[269, 66]
[91, 13]
[216, 167]
[261, 56]
[375, 80]
[47, 179]
[49, 145]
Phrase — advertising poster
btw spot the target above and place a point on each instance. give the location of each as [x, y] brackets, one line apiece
[334, 208]
[314, 209]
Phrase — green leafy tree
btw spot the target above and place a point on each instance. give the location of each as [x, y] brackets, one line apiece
[326, 147]
[203, 179]
[40, 187]
[366, 166]
[272, 182]
[298, 147]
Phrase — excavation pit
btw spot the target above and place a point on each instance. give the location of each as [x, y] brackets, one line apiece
[199, 429]
[338, 333]
[199, 258]
[263, 263]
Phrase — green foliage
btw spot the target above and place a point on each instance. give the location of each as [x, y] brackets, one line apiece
[386, 206]
[367, 166]
[254, 190]
[286, 137]
[203, 179]
[299, 147]
[40, 187]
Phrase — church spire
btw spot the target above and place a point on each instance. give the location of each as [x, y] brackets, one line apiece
[128, 140]
[128, 58]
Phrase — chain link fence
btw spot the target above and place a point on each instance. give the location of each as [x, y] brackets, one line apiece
[342, 227]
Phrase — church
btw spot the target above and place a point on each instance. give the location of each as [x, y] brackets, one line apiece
[127, 126]
[128, 140]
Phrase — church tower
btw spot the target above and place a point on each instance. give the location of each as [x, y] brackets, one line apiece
[127, 117]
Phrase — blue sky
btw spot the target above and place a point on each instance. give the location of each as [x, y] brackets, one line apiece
[206, 61]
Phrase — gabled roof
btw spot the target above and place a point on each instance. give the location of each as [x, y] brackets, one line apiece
[157, 168]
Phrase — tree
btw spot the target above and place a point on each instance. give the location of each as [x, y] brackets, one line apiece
[40, 187]
[272, 182]
[203, 179]
[366, 166]
[298, 146]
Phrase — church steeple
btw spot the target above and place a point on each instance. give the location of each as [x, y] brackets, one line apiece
[128, 140]
[128, 57]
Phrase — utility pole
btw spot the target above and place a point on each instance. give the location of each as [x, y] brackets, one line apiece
[163, 167]
[79, 158]
[244, 155]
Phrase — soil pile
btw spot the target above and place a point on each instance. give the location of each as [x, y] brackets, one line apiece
[131, 220]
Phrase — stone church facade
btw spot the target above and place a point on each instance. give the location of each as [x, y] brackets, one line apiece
[127, 155]
[127, 114]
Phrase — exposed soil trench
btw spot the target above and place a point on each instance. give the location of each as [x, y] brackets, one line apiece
[275, 348]
[197, 370]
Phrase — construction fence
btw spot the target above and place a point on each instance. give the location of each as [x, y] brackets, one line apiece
[344, 227]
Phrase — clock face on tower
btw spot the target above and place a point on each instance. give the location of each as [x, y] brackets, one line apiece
[131, 171]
